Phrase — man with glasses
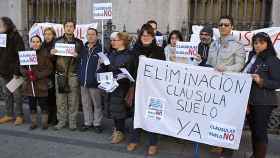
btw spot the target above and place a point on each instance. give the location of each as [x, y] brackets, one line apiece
[226, 55]
[205, 36]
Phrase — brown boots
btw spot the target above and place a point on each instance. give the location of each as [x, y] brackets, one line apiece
[34, 121]
[45, 120]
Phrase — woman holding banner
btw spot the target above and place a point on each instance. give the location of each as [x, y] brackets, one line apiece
[35, 86]
[146, 46]
[264, 65]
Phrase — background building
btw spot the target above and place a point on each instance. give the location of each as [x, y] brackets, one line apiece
[131, 14]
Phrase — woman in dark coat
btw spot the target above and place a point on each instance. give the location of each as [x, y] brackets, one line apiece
[120, 57]
[146, 46]
[9, 68]
[38, 76]
[48, 44]
[264, 66]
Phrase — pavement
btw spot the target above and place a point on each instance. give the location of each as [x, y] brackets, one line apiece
[20, 142]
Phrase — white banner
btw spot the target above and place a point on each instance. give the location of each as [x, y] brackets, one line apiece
[244, 37]
[80, 31]
[191, 102]
[27, 57]
[186, 49]
[3, 40]
[65, 49]
[102, 11]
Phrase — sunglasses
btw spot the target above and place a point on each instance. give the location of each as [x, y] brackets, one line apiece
[224, 24]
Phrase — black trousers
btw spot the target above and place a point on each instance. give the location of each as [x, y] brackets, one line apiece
[258, 122]
[52, 108]
[42, 102]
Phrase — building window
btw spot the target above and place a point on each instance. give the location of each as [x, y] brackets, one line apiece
[247, 14]
[55, 11]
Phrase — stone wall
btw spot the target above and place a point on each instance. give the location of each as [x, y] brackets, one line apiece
[133, 13]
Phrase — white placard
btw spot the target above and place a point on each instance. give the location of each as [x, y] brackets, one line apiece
[127, 74]
[3, 40]
[104, 77]
[191, 102]
[14, 84]
[108, 86]
[65, 49]
[27, 58]
[104, 59]
[186, 49]
[159, 40]
[102, 11]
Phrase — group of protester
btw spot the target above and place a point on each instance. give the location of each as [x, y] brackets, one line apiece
[59, 81]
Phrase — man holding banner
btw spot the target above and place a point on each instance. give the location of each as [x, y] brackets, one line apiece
[225, 53]
[67, 49]
[9, 69]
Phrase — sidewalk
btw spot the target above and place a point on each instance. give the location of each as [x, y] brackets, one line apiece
[20, 142]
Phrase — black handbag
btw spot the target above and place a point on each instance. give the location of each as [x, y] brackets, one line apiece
[62, 80]
[62, 83]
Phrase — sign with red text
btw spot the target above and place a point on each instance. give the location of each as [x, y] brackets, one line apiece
[27, 58]
[245, 37]
[80, 31]
[191, 102]
[186, 49]
[65, 49]
[102, 11]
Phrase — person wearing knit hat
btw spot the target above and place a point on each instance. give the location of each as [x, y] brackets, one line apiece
[205, 36]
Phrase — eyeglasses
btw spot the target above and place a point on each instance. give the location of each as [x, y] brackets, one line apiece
[224, 24]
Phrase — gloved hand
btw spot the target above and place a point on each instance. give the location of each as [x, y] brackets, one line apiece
[31, 75]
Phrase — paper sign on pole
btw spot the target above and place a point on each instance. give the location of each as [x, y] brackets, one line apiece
[186, 49]
[27, 58]
[65, 49]
[102, 11]
[3, 40]
[191, 102]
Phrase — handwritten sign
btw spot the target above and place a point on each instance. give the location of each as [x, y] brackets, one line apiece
[27, 58]
[191, 102]
[102, 11]
[3, 40]
[65, 49]
[186, 49]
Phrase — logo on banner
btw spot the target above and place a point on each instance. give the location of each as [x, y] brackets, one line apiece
[221, 132]
[155, 109]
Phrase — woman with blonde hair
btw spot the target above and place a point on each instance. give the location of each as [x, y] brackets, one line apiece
[120, 57]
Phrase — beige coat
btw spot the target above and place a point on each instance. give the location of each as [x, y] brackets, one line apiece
[228, 53]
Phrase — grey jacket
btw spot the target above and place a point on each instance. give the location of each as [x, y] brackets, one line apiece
[228, 53]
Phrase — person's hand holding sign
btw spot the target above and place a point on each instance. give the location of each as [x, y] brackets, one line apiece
[53, 51]
[257, 79]
[198, 58]
[220, 68]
